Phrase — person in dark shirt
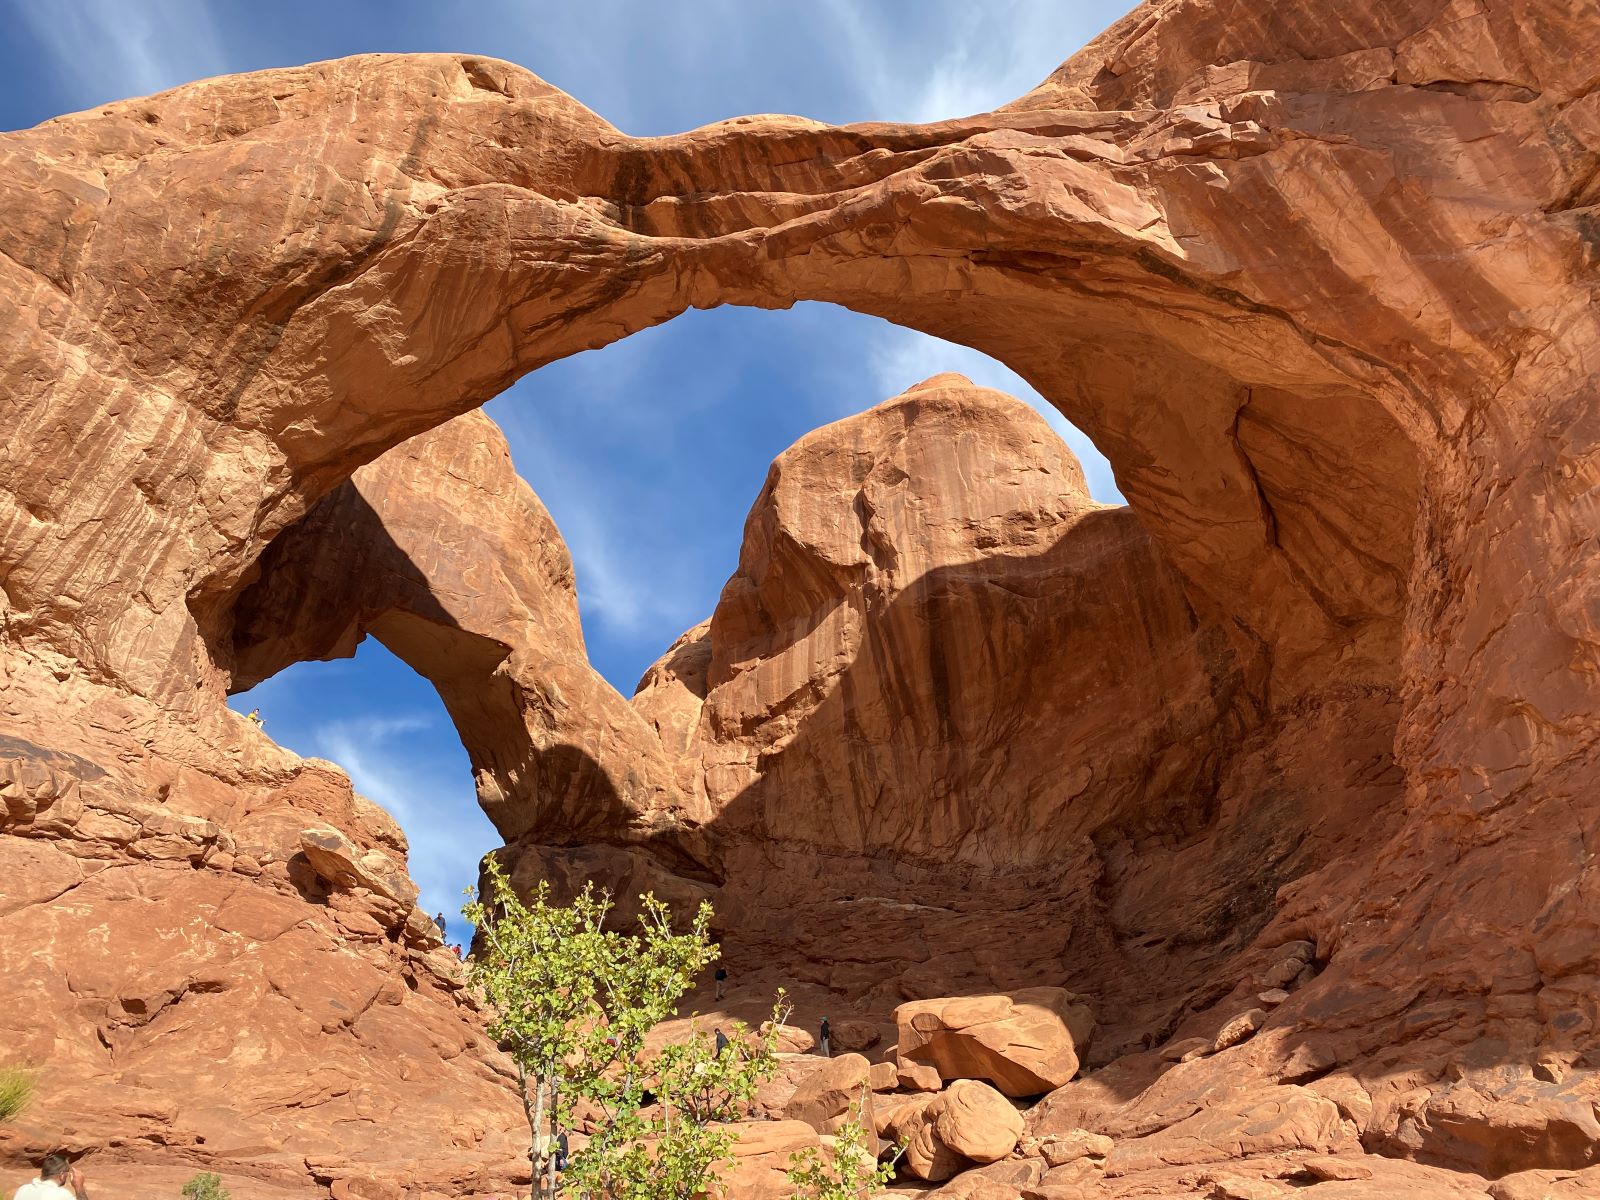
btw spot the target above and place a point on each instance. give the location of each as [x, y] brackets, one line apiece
[722, 1042]
[826, 1044]
[722, 980]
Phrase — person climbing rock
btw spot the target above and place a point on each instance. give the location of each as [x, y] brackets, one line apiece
[58, 1180]
[439, 921]
[254, 717]
[722, 980]
[825, 1044]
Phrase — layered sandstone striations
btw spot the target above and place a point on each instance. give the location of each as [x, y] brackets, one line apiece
[961, 730]
[228, 970]
[1319, 281]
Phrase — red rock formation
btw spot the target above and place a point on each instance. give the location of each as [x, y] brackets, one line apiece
[197, 990]
[440, 551]
[1319, 281]
[961, 731]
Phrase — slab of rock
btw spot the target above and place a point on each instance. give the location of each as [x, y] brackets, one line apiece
[1075, 1144]
[334, 858]
[1506, 1121]
[1238, 1029]
[1272, 1120]
[826, 1095]
[758, 1166]
[998, 1181]
[918, 1077]
[1547, 1185]
[1188, 1049]
[1025, 1043]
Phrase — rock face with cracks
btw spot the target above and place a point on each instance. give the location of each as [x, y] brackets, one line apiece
[1318, 280]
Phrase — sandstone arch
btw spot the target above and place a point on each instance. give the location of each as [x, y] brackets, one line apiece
[1319, 283]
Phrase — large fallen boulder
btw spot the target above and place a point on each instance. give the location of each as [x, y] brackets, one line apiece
[943, 1134]
[1505, 1122]
[1026, 1043]
[345, 865]
[976, 1121]
[825, 1098]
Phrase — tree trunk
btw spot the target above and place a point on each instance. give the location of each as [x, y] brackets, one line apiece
[535, 1114]
[555, 1131]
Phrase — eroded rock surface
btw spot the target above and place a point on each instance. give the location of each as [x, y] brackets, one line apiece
[1026, 1044]
[1318, 279]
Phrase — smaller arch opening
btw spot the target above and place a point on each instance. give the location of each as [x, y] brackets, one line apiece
[387, 728]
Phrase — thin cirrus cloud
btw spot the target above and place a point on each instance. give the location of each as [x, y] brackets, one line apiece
[113, 48]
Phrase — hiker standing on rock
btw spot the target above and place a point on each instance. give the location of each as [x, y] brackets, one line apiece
[58, 1180]
[826, 1044]
[439, 921]
[722, 980]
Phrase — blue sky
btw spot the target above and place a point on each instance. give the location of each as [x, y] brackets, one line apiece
[649, 452]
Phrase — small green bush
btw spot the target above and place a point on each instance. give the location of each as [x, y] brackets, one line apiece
[16, 1091]
[205, 1186]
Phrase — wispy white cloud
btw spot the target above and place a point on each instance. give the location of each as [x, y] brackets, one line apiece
[117, 48]
[364, 747]
[900, 358]
[627, 583]
[954, 59]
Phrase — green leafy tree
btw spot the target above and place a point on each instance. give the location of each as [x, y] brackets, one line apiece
[17, 1086]
[664, 1138]
[573, 1003]
[850, 1172]
[205, 1186]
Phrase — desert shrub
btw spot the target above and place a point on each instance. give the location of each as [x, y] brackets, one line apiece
[16, 1091]
[205, 1186]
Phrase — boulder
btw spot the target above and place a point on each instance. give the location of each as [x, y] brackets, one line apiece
[1059, 1149]
[825, 1096]
[943, 1133]
[918, 1077]
[850, 1035]
[344, 865]
[794, 1040]
[1238, 1029]
[757, 1168]
[976, 1121]
[1025, 1043]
